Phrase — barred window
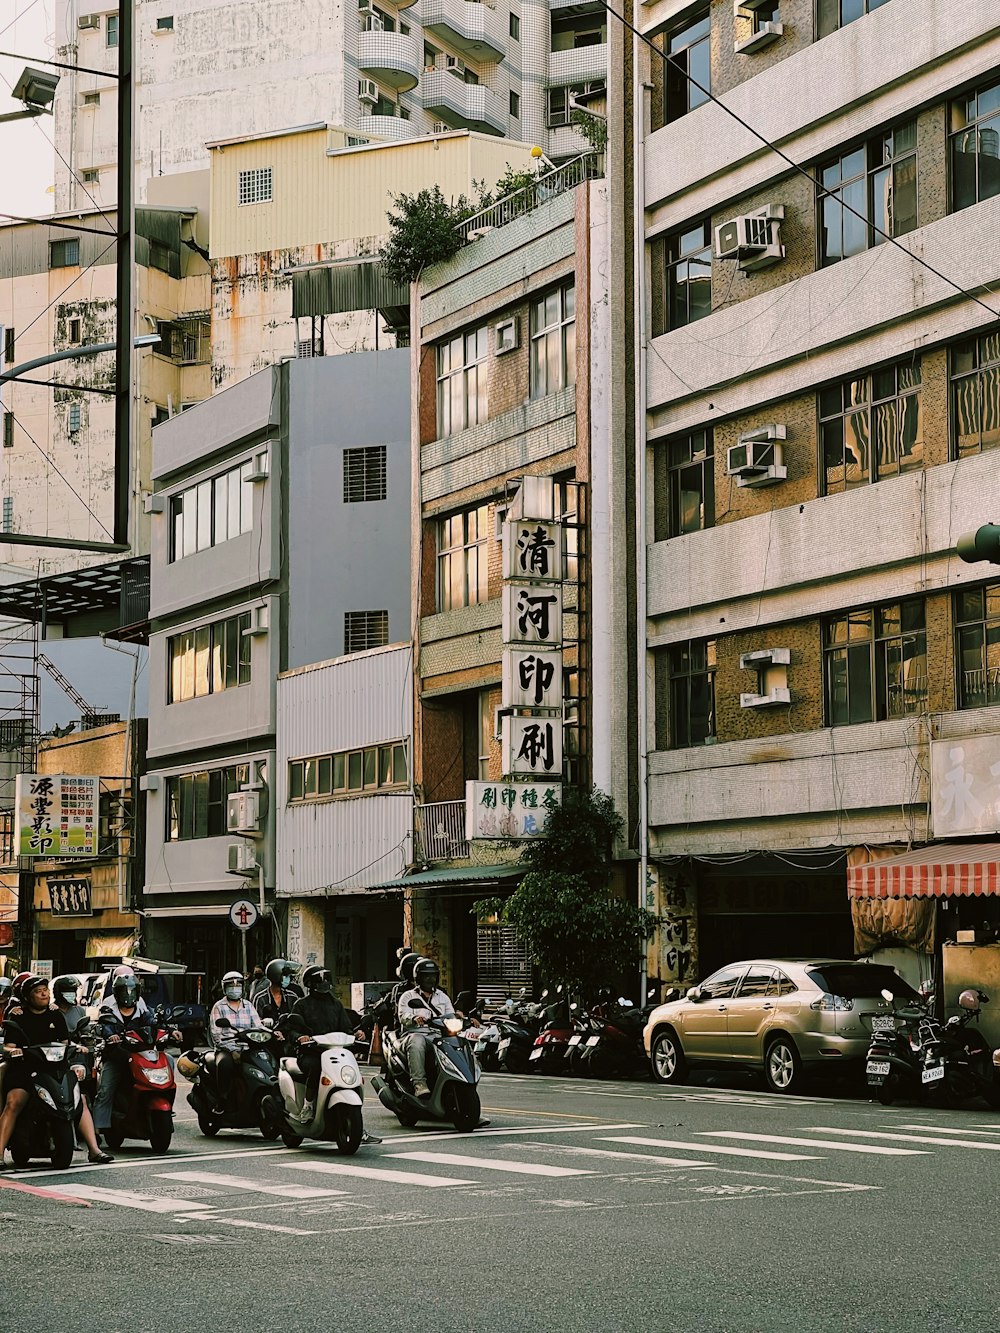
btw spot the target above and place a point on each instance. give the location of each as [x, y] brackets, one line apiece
[64, 254]
[255, 186]
[73, 421]
[373, 768]
[365, 474]
[364, 630]
[8, 513]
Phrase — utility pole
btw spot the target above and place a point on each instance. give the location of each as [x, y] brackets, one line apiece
[123, 348]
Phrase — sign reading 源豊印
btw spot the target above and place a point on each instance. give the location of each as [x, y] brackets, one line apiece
[57, 815]
[70, 897]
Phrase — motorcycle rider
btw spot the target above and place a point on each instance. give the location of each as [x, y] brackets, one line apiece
[241, 1015]
[65, 991]
[13, 1005]
[125, 1006]
[281, 993]
[318, 1011]
[36, 1025]
[433, 1003]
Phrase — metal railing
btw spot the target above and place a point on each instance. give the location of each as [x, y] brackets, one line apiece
[439, 832]
[586, 167]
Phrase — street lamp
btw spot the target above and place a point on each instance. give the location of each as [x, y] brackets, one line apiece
[36, 88]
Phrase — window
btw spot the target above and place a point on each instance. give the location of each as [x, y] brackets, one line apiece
[8, 430]
[485, 734]
[757, 982]
[160, 256]
[73, 331]
[431, 54]
[834, 14]
[573, 743]
[560, 109]
[308, 347]
[111, 31]
[553, 342]
[689, 49]
[462, 574]
[73, 418]
[196, 802]
[689, 275]
[165, 24]
[722, 984]
[212, 512]
[461, 382]
[9, 339]
[877, 181]
[975, 395]
[91, 176]
[567, 512]
[977, 646]
[92, 99]
[8, 513]
[690, 489]
[255, 186]
[209, 658]
[364, 474]
[871, 428]
[64, 254]
[364, 630]
[691, 668]
[515, 106]
[875, 663]
[515, 27]
[975, 147]
[374, 768]
[571, 31]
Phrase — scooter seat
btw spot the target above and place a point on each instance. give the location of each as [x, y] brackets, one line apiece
[295, 1073]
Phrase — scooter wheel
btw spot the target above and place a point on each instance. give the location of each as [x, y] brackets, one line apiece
[461, 1105]
[270, 1132]
[515, 1062]
[348, 1129]
[886, 1093]
[291, 1140]
[407, 1119]
[208, 1124]
[113, 1139]
[21, 1158]
[63, 1144]
[161, 1130]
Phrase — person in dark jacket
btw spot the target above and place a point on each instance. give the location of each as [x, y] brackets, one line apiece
[318, 1011]
[281, 994]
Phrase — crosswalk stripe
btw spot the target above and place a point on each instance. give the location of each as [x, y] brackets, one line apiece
[257, 1186]
[147, 1203]
[375, 1173]
[816, 1143]
[909, 1138]
[610, 1153]
[489, 1164]
[711, 1147]
[950, 1129]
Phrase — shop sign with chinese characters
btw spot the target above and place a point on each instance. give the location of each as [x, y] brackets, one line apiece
[965, 786]
[509, 809]
[57, 815]
[70, 897]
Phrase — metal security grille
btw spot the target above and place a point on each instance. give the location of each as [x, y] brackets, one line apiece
[503, 966]
[364, 474]
[364, 630]
[255, 186]
[8, 513]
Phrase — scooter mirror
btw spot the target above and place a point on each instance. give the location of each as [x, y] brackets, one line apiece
[223, 1023]
[887, 995]
[417, 1004]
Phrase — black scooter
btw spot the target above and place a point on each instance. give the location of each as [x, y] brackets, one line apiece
[46, 1125]
[256, 1076]
[452, 1075]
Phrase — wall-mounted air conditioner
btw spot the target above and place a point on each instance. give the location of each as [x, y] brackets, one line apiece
[242, 859]
[260, 621]
[762, 36]
[243, 813]
[771, 666]
[753, 240]
[758, 459]
[367, 90]
[453, 63]
[506, 336]
[89, 21]
[441, 127]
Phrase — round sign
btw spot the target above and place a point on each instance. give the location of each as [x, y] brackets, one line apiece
[243, 914]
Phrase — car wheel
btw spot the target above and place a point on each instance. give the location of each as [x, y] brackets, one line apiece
[782, 1066]
[667, 1059]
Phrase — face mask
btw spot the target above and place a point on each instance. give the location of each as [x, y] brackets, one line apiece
[67, 997]
[234, 992]
[285, 982]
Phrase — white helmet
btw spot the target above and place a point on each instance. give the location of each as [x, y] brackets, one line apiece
[232, 985]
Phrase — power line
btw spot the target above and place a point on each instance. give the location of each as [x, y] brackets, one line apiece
[59, 474]
[19, 334]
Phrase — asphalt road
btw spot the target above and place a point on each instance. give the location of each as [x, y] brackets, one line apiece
[584, 1206]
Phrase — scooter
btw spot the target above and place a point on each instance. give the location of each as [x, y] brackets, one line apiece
[452, 1075]
[336, 1116]
[614, 1048]
[968, 1059]
[517, 1034]
[144, 1105]
[46, 1125]
[558, 1026]
[256, 1077]
[897, 1052]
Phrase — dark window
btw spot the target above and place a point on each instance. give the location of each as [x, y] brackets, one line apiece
[781, 985]
[64, 254]
[868, 194]
[209, 658]
[871, 427]
[975, 147]
[196, 802]
[9, 339]
[364, 630]
[165, 24]
[370, 769]
[160, 256]
[722, 984]
[515, 27]
[515, 106]
[756, 983]
[692, 692]
[689, 275]
[570, 31]
[690, 496]
[977, 646]
[688, 71]
[834, 14]
[560, 110]
[975, 395]
[860, 981]
[74, 331]
[111, 31]
[73, 419]
[8, 430]
[875, 663]
[365, 474]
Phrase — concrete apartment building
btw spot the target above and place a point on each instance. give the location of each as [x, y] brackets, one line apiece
[819, 409]
[206, 71]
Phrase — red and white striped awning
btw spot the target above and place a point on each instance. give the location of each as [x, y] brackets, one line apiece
[947, 868]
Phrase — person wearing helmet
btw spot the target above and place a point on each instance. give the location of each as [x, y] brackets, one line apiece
[126, 1008]
[432, 1002]
[318, 1011]
[65, 991]
[35, 1025]
[5, 985]
[256, 982]
[280, 994]
[13, 1005]
[240, 1015]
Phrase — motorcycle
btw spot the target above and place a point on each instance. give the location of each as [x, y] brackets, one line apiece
[614, 1046]
[452, 1075]
[144, 1103]
[897, 1053]
[556, 1029]
[518, 1031]
[46, 1126]
[336, 1116]
[968, 1060]
[256, 1076]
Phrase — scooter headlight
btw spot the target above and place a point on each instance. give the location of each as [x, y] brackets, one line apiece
[158, 1076]
[47, 1097]
[348, 1076]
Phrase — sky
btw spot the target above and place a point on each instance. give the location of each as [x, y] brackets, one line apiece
[26, 155]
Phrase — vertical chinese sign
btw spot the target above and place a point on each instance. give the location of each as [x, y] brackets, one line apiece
[57, 815]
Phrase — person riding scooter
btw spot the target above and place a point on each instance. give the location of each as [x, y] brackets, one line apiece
[65, 990]
[319, 1011]
[413, 1019]
[281, 994]
[125, 1009]
[240, 1015]
[36, 1025]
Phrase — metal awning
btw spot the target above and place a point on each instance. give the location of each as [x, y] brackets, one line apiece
[945, 869]
[481, 876]
[337, 289]
[119, 588]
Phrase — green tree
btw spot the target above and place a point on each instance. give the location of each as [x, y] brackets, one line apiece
[593, 128]
[423, 229]
[577, 932]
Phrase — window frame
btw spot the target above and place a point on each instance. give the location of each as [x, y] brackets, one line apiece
[681, 250]
[218, 652]
[111, 27]
[978, 372]
[560, 330]
[191, 500]
[880, 158]
[874, 406]
[64, 247]
[990, 118]
[877, 642]
[869, 7]
[684, 676]
[449, 551]
[454, 379]
[372, 618]
[674, 465]
[374, 480]
[680, 96]
[255, 185]
[326, 777]
[989, 624]
[228, 780]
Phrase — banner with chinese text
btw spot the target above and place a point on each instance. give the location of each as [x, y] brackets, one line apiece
[509, 809]
[57, 815]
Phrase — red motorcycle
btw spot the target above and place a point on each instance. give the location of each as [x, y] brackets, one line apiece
[144, 1101]
[558, 1026]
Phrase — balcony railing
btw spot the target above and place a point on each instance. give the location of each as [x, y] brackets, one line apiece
[586, 167]
[439, 832]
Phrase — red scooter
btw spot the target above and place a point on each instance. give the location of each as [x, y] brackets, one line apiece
[144, 1102]
[558, 1026]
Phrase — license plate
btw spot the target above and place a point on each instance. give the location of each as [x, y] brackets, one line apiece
[933, 1075]
[592, 1041]
[879, 1067]
[536, 1054]
[574, 1041]
[883, 1023]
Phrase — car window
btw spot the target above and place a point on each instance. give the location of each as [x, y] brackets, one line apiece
[722, 984]
[782, 985]
[755, 983]
[860, 981]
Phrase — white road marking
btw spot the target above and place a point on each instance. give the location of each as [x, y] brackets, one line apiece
[246, 1222]
[705, 1147]
[148, 1203]
[450, 1136]
[375, 1173]
[258, 1186]
[631, 1156]
[488, 1164]
[949, 1129]
[908, 1138]
[815, 1143]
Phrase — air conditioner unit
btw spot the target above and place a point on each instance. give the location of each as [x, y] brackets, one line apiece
[374, 24]
[367, 90]
[506, 336]
[753, 240]
[763, 35]
[243, 813]
[453, 62]
[758, 458]
[89, 21]
[152, 504]
[441, 127]
[242, 859]
[259, 621]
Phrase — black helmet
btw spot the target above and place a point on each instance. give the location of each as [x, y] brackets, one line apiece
[280, 970]
[126, 991]
[426, 974]
[405, 969]
[317, 979]
[66, 989]
[30, 983]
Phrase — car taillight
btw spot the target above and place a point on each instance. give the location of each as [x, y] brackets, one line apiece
[832, 1003]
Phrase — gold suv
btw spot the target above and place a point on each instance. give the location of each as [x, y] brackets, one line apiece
[786, 1016]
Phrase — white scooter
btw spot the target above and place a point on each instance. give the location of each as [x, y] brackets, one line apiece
[336, 1116]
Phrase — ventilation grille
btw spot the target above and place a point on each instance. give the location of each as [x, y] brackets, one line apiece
[364, 474]
[255, 186]
[364, 630]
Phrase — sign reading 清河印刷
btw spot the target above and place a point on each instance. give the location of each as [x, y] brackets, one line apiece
[57, 815]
